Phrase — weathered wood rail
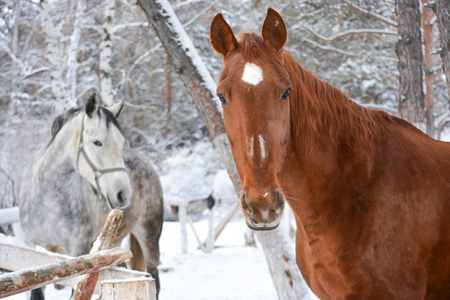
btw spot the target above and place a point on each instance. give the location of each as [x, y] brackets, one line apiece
[34, 268]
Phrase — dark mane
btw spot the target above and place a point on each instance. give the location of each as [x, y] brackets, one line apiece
[61, 120]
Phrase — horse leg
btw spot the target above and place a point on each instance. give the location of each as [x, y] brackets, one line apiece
[146, 243]
[37, 294]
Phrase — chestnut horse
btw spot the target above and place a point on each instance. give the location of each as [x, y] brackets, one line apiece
[370, 192]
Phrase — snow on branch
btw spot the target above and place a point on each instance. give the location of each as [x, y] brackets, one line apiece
[14, 58]
[130, 25]
[350, 32]
[208, 7]
[27, 71]
[329, 48]
[371, 14]
[188, 2]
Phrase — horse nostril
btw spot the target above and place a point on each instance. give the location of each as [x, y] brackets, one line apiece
[279, 200]
[244, 203]
[120, 198]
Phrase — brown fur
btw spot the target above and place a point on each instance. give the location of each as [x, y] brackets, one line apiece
[370, 192]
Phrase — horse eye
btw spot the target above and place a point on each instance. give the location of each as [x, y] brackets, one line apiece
[222, 99]
[286, 94]
[98, 143]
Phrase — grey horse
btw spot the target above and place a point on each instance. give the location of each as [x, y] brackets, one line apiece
[83, 173]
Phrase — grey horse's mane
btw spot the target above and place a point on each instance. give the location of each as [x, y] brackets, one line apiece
[61, 120]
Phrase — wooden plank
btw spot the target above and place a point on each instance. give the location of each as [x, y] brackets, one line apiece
[221, 226]
[134, 289]
[28, 279]
[195, 233]
[9, 215]
[14, 257]
[230, 199]
[85, 287]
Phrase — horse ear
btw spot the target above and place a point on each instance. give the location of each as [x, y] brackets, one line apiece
[116, 109]
[222, 37]
[91, 105]
[274, 30]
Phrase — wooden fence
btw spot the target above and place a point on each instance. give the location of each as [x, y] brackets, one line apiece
[187, 207]
[33, 268]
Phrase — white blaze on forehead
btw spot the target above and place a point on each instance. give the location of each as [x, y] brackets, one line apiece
[252, 74]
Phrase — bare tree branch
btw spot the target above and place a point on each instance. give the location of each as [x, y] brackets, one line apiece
[14, 58]
[371, 14]
[329, 48]
[350, 32]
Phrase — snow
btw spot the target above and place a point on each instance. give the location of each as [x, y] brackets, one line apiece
[231, 271]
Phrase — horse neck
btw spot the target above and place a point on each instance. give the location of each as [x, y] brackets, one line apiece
[328, 132]
[60, 156]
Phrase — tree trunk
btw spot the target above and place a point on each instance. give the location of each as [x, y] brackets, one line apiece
[15, 36]
[72, 62]
[409, 51]
[442, 10]
[53, 57]
[106, 54]
[189, 66]
[429, 63]
[168, 88]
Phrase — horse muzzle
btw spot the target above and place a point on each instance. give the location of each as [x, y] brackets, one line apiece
[120, 199]
[262, 211]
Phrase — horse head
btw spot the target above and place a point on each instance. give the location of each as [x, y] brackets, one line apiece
[254, 89]
[99, 154]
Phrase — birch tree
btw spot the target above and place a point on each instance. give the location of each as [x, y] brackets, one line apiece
[54, 56]
[277, 246]
[106, 88]
[429, 66]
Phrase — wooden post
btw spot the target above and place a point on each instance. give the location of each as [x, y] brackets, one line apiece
[86, 285]
[211, 232]
[133, 289]
[182, 213]
[28, 279]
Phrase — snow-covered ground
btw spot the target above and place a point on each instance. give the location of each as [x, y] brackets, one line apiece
[231, 271]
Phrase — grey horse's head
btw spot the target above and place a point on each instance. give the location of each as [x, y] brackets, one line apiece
[98, 151]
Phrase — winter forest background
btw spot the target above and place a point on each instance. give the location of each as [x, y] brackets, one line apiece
[54, 54]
